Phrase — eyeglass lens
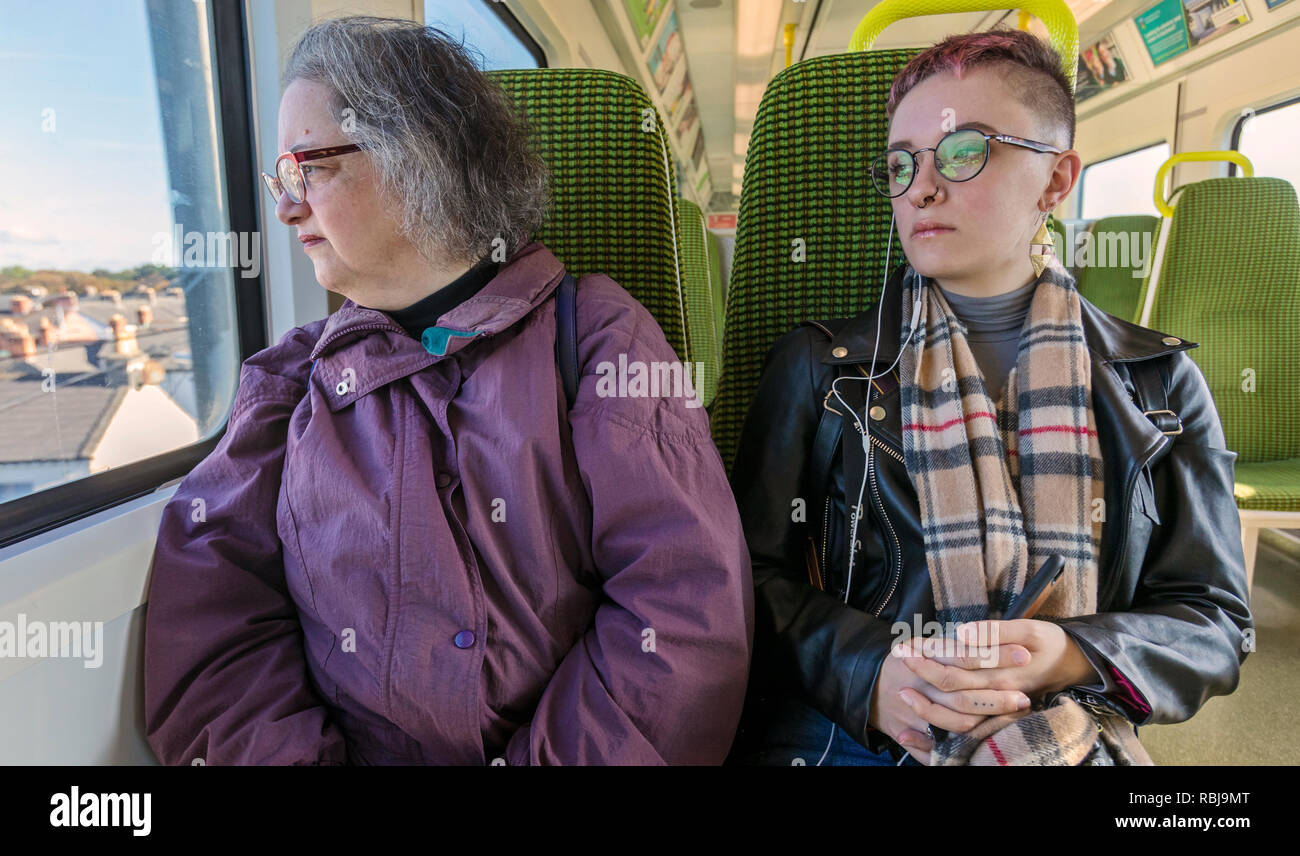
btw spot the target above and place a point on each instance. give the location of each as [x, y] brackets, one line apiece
[290, 178]
[959, 156]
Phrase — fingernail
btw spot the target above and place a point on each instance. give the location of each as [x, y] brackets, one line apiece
[1023, 703]
[1020, 658]
[907, 700]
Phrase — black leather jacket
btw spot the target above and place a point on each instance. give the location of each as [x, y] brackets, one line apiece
[1172, 600]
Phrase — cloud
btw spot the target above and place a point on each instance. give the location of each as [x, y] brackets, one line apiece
[8, 236]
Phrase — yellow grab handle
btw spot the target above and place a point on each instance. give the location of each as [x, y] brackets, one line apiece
[1057, 17]
[1184, 157]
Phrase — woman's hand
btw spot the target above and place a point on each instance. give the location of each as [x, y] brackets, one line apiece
[905, 704]
[1054, 660]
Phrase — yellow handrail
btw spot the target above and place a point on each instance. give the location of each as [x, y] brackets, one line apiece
[1054, 14]
[1184, 157]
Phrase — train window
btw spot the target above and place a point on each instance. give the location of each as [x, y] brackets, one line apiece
[1122, 184]
[126, 248]
[1267, 137]
[489, 29]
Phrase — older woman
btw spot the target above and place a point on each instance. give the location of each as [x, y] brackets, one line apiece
[405, 549]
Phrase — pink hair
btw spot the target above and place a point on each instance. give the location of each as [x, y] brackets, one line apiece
[961, 53]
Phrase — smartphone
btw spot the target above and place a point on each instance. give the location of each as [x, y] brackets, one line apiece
[1038, 589]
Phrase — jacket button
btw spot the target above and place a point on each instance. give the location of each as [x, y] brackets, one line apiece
[443, 479]
[464, 639]
[877, 413]
[840, 352]
[1172, 340]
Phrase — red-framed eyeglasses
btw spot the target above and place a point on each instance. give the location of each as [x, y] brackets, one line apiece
[288, 176]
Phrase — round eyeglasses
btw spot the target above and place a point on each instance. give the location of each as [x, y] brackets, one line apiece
[288, 176]
[959, 156]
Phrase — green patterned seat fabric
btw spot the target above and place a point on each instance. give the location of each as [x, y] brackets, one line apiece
[1231, 282]
[705, 337]
[1107, 260]
[1268, 485]
[806, 193]
[719, 287]
[613, 183]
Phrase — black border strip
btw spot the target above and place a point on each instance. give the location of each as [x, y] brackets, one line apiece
[48, 509]
[1241, 125]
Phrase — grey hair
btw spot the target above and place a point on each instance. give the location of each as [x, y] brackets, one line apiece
[449, 149]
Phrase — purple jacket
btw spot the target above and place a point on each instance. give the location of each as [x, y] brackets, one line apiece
[396, 557]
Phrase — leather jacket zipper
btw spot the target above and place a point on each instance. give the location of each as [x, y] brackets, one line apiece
[891, 452]
[826, 531]
[897, 556]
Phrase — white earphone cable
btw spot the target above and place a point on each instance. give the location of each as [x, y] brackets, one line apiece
[864, 426]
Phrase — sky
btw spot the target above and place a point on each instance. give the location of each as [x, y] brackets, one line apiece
[89, 190]
[83, 176]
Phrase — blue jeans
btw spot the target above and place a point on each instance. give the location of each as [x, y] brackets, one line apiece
[798, 735]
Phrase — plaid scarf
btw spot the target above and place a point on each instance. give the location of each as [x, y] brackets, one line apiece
[1003, 487]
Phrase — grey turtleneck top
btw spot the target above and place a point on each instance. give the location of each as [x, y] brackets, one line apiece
[993, 326]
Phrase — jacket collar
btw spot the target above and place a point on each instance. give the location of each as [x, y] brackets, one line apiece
[1110, 339]
[361, 349]
[525, 281]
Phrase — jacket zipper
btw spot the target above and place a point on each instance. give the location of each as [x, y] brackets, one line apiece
[348, 330]
[888, 451]
[826, 531]
[896, 564]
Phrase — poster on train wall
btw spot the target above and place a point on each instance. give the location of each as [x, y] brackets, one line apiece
[1209, 19]
[1164, 29]
[666, 55]
[1100, 68]
[1273, 4]
[645, 15]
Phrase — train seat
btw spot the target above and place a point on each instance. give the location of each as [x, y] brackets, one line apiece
[811, 234]
[701, 321]
[718, 284]
[614, 185]
[1229, 278]
[1110, 260]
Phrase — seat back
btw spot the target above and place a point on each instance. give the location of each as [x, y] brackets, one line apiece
[613, 182]
[1111, 260]
[706, 337]
[811, 233]
[718, 283]
[1230, 281]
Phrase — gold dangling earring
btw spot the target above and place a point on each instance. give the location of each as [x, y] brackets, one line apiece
[1040, 247]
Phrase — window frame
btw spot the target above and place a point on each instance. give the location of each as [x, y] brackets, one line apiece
[1240, 125]
[517, 30]
[62, 504]
[1083, 174]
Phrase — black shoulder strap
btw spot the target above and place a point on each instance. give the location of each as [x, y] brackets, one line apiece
[827, 440]
[1152, 395]
[566, 336]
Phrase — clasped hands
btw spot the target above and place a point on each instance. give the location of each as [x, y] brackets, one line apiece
[992, 668]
